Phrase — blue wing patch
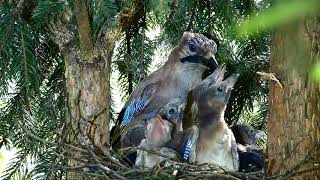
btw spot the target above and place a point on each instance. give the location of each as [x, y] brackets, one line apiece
[132, 109]
[187, 150]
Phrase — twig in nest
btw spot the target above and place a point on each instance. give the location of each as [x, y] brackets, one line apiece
[95, 157]
[131, 149]
[270, 76]
[107, 153]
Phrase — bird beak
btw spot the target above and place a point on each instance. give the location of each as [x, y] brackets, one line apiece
[231, 81]
[209, 61]
[218, 73]
[259, 134]
[158, 117]
[162, 115]
[212, 62]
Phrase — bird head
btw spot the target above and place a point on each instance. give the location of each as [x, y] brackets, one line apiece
[217, 95]
[158, 131]
[173, 112]
[245, 134]
[212, 95]
[197, 49]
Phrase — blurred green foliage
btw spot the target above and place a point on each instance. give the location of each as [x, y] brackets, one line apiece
[278, 14]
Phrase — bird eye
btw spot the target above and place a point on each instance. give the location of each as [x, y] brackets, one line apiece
[171, 111]
[192, 47]
[219, 89]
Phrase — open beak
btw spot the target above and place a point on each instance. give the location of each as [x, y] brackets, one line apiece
[216, 76]
[218, 73]
[231, 81]
[160, 119]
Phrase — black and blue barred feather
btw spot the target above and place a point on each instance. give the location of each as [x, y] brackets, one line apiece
[187, 150]
[132, 109]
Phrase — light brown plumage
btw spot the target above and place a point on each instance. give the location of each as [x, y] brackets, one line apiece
[173, 80]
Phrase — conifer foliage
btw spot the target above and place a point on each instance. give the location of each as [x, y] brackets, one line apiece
[32, 68]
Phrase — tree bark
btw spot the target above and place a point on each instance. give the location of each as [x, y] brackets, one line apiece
[87, 73]
[294, 110]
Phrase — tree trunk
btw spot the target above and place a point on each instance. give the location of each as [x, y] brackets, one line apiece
[294, 110]
[87, 73]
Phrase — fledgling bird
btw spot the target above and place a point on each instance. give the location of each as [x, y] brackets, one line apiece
[250, 161]
[185, 142]
[216, 143]
[158, 132]
[182, 72]
[245, 134]
[171, 112]
[251, 156]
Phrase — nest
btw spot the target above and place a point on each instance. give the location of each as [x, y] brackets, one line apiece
[110, 165]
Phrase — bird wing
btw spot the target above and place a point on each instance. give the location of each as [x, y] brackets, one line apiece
[234, 151]
[137, 103]
[132, 136]
[131, 110]
[185, 143]
[187, 150]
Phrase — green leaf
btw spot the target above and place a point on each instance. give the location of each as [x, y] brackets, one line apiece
[277, 15]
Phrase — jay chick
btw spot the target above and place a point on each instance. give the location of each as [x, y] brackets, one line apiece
[160, 129]
[251, 156]
[216, 143]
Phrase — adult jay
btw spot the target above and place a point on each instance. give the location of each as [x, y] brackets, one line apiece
[182, 71]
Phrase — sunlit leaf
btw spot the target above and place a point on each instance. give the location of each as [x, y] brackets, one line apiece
[276, 15]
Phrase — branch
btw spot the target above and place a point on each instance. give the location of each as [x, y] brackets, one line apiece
[29, 133]
[95, 157]
[77, 169]
[270, 76]
[25, 9]
[62, 31]
[193, 13]
[85, 34]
